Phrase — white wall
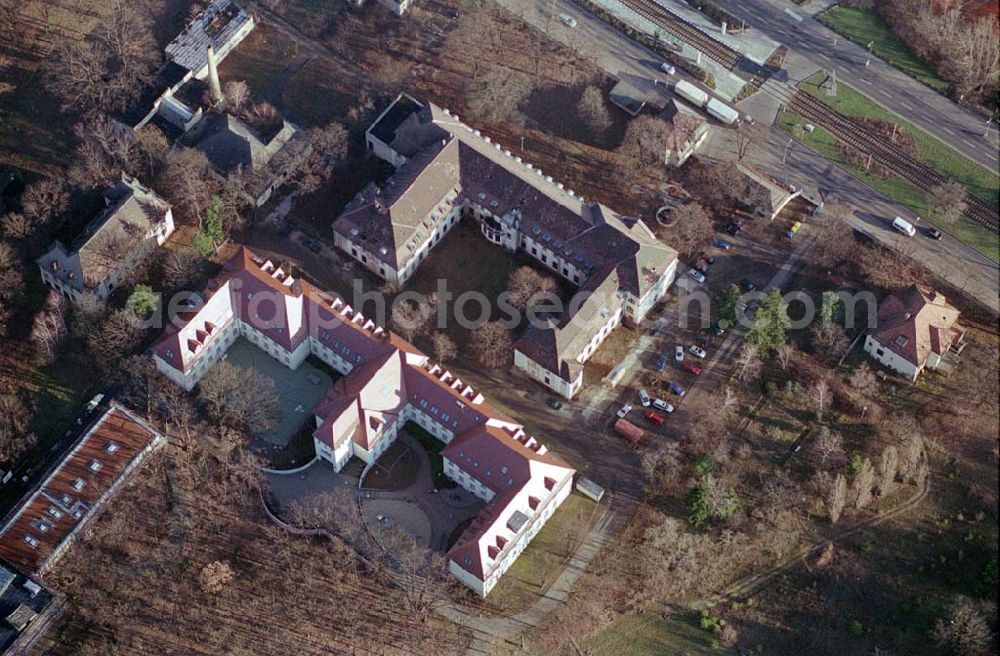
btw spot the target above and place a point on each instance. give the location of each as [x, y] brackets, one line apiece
[890, 359]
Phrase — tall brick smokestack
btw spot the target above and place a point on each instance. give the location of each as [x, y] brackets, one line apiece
[213, 76]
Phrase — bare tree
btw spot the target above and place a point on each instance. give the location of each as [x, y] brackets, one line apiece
[863, 483]
[213, 577]
[887, 468]
[237, 399]
[11, 284]
[117, 337]
[15, 438]
[237, 95]
[828, 340]
[18, 226]
[748, 363]
[964, 629]
[784, 354]
[593, 110]
[492, 345]
[495, 96]
[187, 183]
[444, 348]
[864, 381]
[409, 318]
[644, 145]
[821, 396]
[836, 498]
[691, 228]
[527, 286]
[828, 448]
[947, 200]
[44, 200]
[49, 327]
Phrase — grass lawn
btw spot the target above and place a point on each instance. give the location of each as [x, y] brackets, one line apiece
[651, 635]
[433, 447]
[542, 560]
[931, 151]
[863, 25]
[397, 469]
[900, 190]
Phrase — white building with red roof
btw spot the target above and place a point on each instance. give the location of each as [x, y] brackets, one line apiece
[915, 330]
[387, 382]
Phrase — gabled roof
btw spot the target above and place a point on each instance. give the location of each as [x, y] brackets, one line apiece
[131, 213]
[231, 144]
[917, 323]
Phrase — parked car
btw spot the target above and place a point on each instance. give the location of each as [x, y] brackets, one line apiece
[723, 244]
[934, 233]
[677, 389]
[667, 68]
[567, 20]
[710, 260]
[653, 417]
[644, 398]
[679, 353]
[661, 362]
[553, 403]
[746, 286]
[623, 412]
[660, 404]
[653, 331]
[697, 276]
[692, 368]
[697, 351]
[734, 228]
[312, 245]
[718, 329]
[288, 228]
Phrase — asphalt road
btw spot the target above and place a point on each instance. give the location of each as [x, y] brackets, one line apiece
[812, 45]
[620, 56]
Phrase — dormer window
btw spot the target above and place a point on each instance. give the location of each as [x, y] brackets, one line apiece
[31, 540]
[111, 447]
[54, 512]
[66, 499]
[94, 466]
[42, 525]
[170, 354]
[78, 485]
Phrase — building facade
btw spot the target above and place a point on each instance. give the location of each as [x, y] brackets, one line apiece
[917, 329]
[386, 383]
[134, 221]
[447, 172]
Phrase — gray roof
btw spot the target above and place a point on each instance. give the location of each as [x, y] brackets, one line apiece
[131, 212]
[214, 26]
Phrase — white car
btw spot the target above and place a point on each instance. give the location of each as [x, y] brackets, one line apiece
[567, 20]
[660, 404]
[667, 68]
[644, 398]
[625, 409]
[697, 276]
[696, 351]
[679, 353]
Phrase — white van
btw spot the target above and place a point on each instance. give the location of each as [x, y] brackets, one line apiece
[904, 226]
[567, 20]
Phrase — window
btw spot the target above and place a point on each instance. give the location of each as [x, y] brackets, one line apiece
[78, 485]
[66, 499]
[54, 512]
[94, 466]
[42, 525]
[31, 540]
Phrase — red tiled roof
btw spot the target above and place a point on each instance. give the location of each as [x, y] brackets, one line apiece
[917, 323]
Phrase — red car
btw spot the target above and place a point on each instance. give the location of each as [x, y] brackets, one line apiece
[692, 368]
[654, 418]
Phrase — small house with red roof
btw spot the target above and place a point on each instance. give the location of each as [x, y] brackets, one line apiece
[915, 330]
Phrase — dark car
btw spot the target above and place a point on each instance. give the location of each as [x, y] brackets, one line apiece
[653, 331]
[555, 404]
[733, 229]
[677, 389]
[934, 233]
[661, 362]
[746, 286]
[312, 245]
[718, 329]
[723, 244]
[707, 258]
[288, 228]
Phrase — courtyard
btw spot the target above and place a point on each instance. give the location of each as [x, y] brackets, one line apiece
[298, 391]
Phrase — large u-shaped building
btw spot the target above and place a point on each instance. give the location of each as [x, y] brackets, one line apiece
[386, 383]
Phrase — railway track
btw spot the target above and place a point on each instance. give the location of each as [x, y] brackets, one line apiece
[886, 153]
[686, 32]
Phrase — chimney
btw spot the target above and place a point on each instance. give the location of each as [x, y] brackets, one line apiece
[213, 76]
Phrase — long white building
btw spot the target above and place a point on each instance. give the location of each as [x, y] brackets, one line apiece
[387, 382]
